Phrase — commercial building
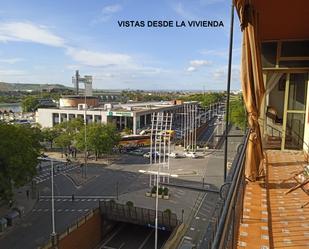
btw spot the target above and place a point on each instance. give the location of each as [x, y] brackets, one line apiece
[134, 116]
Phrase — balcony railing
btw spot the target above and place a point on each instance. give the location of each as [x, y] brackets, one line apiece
[223, 228]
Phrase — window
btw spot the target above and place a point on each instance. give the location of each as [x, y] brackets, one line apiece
[269, 54]
[295, 49]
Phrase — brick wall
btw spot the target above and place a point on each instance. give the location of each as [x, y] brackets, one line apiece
[85, 234]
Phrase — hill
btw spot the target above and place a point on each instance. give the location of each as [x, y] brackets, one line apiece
[9, 87]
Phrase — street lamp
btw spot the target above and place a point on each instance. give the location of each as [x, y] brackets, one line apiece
[158, 173]
[53, 235]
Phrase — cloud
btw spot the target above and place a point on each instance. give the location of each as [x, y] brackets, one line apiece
[220, 74]
[111, 9]
[191, 69]
[209, 2]
[181, 11]
[98, 59]
[29, 32]
[107, 12]
[199, 63]
[11, 72]
[11, 60]
[220, 52]
[195, 64]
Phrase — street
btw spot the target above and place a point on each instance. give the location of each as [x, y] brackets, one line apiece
[123, 180]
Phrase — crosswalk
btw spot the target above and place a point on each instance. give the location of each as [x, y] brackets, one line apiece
[75, 199]
[59, 210]
[46, 174]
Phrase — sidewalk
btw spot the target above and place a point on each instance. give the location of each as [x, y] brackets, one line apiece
[20, 200]
[80, 158]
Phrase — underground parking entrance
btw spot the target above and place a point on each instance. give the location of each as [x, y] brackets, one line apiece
[118, 226]
[129, 227]
[132, 236]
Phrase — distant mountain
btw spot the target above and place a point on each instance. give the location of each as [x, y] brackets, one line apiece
[6, 87]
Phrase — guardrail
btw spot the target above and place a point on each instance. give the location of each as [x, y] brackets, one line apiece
[224, 224]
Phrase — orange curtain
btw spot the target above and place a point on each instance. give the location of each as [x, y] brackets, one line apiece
[252, 84]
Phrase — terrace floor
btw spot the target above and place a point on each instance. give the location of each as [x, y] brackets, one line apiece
[271, 218]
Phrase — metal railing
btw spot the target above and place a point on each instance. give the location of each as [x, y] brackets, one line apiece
[223, 227]
[279, 133]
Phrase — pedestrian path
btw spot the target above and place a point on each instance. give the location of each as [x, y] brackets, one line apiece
[46, 174]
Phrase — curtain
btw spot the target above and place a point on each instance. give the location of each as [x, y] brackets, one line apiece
[252, 84]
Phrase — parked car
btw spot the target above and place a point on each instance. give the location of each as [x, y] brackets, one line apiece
[147, 155]
[174, 155]
[43, 157]
[137, 152]
[191, 154]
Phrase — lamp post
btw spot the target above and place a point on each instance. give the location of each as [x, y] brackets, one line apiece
[157, 173]
[157, 204]
[53, 234]
[85, 134]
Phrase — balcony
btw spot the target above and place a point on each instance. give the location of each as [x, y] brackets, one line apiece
[271, 218]
[262, 214]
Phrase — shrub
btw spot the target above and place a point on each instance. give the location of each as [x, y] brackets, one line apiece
[160, 191]
[130, 204]
[165, 191]
[168, 211]
[154, 190]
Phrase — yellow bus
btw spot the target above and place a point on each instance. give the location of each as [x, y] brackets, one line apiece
[134, 141]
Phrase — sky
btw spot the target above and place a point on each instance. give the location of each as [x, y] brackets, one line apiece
[45, 41]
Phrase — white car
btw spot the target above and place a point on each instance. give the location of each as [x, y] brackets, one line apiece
[174, 155]
[147, 155]
[191, 154]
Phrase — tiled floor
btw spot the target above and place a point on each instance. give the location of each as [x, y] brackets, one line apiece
[271, 218]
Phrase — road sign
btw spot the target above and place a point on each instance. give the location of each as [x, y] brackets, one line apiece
[163, 228]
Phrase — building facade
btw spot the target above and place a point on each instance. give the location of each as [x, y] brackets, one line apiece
[134, 116]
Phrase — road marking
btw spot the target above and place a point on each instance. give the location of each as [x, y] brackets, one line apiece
[80, 210]
[198, 209]
[86, 210]
[113, 235]
[67, 210]
[72, 210]
[46, 210]
[122, 245]
[146, 239]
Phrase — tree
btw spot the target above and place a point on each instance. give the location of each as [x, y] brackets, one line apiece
[29, 104]
[66, 133]
[19, 149]
[50, 134]
[205, 99]
[101, 138]
[238, 115]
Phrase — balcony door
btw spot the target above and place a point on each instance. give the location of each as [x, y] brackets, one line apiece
[294, 111]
